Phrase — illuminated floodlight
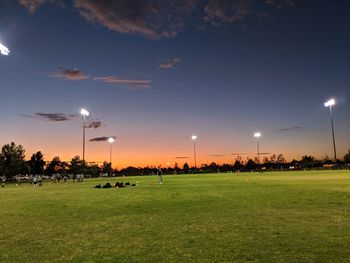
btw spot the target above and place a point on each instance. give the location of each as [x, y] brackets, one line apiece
[257, 135]
[111, 140]
[329, 103]
[4, 50]
[194, 137]
[84, 112]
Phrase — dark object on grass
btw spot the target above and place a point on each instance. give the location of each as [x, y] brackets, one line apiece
[107, 185]
[98, 186]
[133, 185]
[119, 185]
[127, 183]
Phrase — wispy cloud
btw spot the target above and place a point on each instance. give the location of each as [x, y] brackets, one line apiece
[169, 63]
[151, 18]
[157, 19]
[280, 3]
[293, 128]
[95, 124]
[130, 83]
[102, 139]
[181, 157]
[52, 117]
[226, 12]
[33, 5]
[69, 74]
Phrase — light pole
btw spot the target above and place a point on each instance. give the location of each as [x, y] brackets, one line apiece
[329, 104]
[257, 135]
[111, 140]
[194, 138]
[4, 50]
[84, 113]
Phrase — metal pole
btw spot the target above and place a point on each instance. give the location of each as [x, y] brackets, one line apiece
[110, 154]
[257, 145]
[83, 137]
[334, 148]
[195, 157]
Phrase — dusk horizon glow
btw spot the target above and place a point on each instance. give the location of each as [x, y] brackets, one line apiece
[153, 75]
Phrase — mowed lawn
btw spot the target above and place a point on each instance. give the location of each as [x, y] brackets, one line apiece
[270, 217]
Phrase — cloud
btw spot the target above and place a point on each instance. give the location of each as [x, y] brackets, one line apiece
[94, 124]
[227, 11]
[33, 5]
[53, 117]
[130, 83]
[69, 74]
[151, 18]
[280, 3]
[102, 139]
[293, 128]
[169, 63]
[181, 157]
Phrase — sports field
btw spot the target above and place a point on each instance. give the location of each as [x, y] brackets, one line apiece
[274, 217]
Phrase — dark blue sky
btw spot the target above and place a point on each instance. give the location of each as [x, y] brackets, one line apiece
[221, 69]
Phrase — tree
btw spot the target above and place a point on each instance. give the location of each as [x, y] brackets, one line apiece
[55, 166]
[107, 168]
[37, 163]
[186, 168]
[347, 157]
[251, 165]
[12, 160]
[238, 165]
[77, 166]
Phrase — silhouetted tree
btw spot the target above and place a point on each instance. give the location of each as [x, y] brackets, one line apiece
[250, 165]
[55, 166]
[77, 166]
[347, 157]
[37, 163]
[238, 166]
[107, 168]
[186, 168]
[12, 160]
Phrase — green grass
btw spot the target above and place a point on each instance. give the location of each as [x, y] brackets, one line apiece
[274, 217]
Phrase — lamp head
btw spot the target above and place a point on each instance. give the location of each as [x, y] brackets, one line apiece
[111, 140]
[257, 135]
[84, 112]
[329, 103]
[4, 50]
[194, 137]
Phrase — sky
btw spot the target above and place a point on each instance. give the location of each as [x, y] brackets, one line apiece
[152, 73]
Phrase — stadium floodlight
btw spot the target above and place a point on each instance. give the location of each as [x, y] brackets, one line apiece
[194, 138]
[4, 50]
[84, 113]
[329, 104]
[111, 140]
[257, 135]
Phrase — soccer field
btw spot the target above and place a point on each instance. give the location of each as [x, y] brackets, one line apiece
[270, 217]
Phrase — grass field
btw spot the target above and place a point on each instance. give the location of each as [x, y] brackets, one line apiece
[274, 217]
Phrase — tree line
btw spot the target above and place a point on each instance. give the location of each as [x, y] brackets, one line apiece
[13, 162]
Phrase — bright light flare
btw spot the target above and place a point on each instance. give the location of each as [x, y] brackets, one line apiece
[84, 112]
[111, 140]
[194, 137]
[4, 50]
[257, 135]
[329, 103]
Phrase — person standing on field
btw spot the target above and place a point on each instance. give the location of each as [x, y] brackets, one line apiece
[3, 180]
[160, 175]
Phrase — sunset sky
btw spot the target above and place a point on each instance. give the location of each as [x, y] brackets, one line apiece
[155, 72]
